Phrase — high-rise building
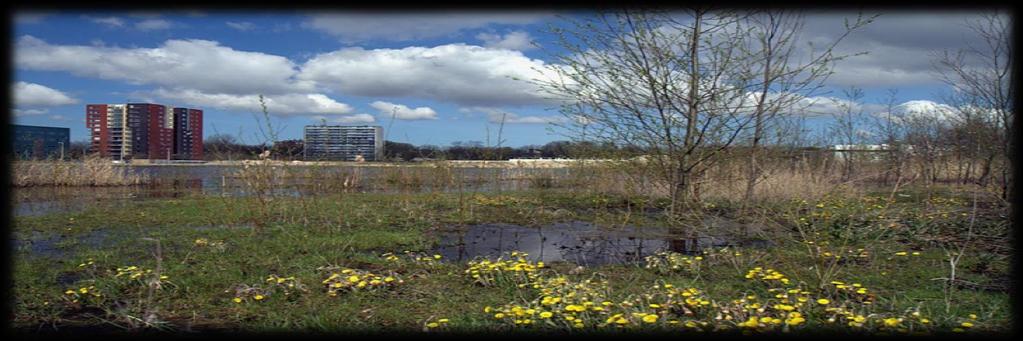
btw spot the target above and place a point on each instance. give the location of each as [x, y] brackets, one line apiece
[34, 142]
[187, 133]
[144, 131]
[349, 143]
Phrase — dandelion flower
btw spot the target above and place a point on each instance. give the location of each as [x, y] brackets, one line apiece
[651, 318]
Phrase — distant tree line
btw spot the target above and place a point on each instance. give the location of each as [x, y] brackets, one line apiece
[227, 147]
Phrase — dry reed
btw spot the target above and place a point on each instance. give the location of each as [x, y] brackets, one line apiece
[93, 171]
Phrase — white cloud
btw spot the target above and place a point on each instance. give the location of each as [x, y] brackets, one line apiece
[354, 26]
[463, 74]
[518, 40]
[108, 21]
[401, 112]
[347, 119]
[35, 95]
[195, 64]
[241, 26]
[924, 109]
[280, 105]
[153, 24]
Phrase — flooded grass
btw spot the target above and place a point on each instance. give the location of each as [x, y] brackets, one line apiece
[210, 247]
[576, 242]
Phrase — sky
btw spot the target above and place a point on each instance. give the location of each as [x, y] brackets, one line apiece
[428, 78]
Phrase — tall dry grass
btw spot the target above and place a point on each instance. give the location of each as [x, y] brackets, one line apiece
[93, 171]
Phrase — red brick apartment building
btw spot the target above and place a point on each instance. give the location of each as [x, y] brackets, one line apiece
[144, 131]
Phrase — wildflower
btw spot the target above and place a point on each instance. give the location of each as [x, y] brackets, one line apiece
[973, 316]
[546, 314]
[432, 325]
[784, 307]
[900, 253]
[967, 324]
[823, 301]
[575, 307]
[651, 318]
[795, 318]
[237, 300]
[258, 297]
[892, 322]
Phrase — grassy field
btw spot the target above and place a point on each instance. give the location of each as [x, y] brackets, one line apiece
[361, 263]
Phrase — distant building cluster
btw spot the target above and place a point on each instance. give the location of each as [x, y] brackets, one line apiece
[33, 142]
[347, 143]
[144, 131]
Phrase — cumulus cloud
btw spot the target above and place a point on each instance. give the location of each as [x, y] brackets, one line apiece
[401, 112]
[153, 24]
[196, 64]
[36, 95]
[463, 74]
[351, 27]
[518, 40]
[241, 26]
[280, 105]
[924, 109]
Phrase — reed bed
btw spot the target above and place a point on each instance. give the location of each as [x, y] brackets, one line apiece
[92, 172]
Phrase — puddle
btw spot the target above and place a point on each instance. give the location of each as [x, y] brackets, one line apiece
[577, 242]
[59, 246]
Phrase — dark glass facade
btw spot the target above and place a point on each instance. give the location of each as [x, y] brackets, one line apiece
[35, 142]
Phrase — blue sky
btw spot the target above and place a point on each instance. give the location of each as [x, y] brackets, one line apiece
[445, 77]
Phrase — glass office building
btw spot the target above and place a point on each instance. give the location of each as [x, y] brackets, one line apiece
[35, 142]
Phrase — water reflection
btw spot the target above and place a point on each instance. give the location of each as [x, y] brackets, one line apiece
[218, 180]
[576, 242]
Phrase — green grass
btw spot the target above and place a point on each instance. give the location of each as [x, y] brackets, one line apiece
[299, 235]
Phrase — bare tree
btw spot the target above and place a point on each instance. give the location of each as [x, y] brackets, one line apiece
[847, 128]
[983, 91]
[890, 130]
[673, 84]
[784, 81]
